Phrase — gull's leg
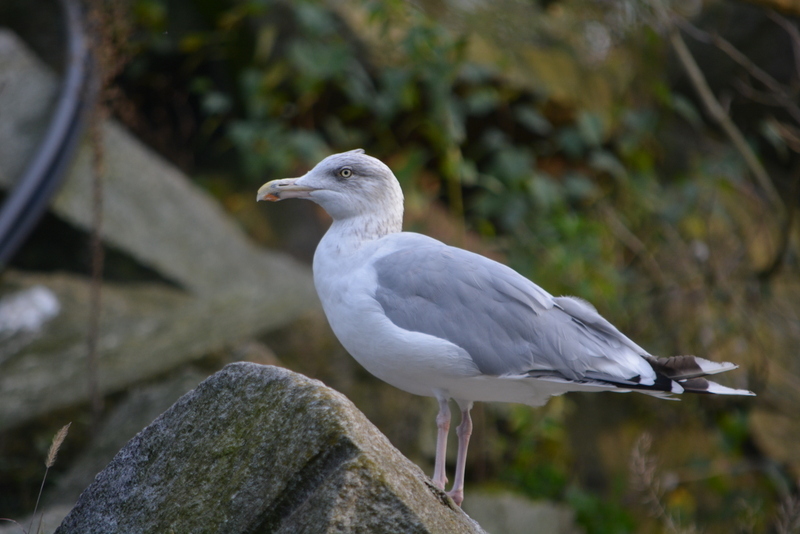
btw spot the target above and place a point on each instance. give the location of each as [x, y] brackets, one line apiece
[464, 431]
[443, 425]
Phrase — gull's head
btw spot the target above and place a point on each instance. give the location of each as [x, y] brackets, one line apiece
[345, 185]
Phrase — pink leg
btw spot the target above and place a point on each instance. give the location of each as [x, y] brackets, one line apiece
[443, 425]
[464, 431]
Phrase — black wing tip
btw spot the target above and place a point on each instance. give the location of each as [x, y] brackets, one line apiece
[689, 372]
[663, 383]
[686, 366]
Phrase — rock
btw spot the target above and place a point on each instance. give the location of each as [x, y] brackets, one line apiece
[152, 211]
[507, 513]
[261, 449]
[146, 330]
[141, 406]
[136, 411]
[155, 214]
[233, 290]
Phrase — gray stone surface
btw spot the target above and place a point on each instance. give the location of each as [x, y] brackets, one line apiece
[261, 449]
[152, 211]
[508, 513]
[146, 330]
[155, 214]
[141, 406]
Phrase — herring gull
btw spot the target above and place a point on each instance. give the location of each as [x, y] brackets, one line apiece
[442, 322]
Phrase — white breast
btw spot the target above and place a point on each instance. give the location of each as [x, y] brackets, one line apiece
[411, 361]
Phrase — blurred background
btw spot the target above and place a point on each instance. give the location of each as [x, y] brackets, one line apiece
[640, 154]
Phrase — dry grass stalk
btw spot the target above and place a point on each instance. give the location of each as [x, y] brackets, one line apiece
[110, 30]
[58, 439]
[787, 520]
[646, 482]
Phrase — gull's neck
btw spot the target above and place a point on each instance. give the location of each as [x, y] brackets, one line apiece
[373, 210]
[348, 237]
[352, 233]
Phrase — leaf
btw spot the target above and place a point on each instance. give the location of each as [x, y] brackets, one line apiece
[605, 161]
[514, 208]
[571, 142]
[216, 103]
[468, 172]
[192, 42]
[150, 14]
[319, 60]
[533, 120]
[513, 165]
[454, 122]
[770, 132]
[308, 145]
[315, 19]
[544, 191]
[684, 107]
[578, 186]
[591, 128]
[482, 101]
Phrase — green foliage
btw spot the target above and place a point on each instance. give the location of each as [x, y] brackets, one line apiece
[311, 90]
[734, 428]
[599, 516]
[540, 463]
[618, 208]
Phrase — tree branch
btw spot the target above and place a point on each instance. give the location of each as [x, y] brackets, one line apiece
[794, 35]
[719, 115]
[633, 243]
[754, 70]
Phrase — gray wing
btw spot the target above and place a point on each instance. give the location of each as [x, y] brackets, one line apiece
[506, 323]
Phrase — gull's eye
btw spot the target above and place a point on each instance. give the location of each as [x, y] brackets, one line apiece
[345, 172]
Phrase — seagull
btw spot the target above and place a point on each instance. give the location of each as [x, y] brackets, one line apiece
[442, 322]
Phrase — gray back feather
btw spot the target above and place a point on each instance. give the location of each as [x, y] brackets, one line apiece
[506, 323]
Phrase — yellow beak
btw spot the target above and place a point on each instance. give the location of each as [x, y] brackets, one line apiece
[282, 189]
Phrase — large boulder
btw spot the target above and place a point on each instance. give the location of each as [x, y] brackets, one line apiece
[261, 449]
[225, 289]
